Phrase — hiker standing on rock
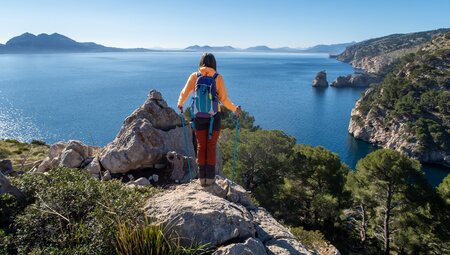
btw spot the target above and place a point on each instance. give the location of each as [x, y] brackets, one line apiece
[209, 89]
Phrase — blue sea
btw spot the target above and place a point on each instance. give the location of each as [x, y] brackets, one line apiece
[56, 97]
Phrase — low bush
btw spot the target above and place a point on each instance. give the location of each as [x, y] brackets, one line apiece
[311, 239]
[69, 212]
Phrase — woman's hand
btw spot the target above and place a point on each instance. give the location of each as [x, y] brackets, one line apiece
[238, 111]
[181, 108]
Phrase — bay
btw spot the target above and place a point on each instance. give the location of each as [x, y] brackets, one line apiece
[87, 96]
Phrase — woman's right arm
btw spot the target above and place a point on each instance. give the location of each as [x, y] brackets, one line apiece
[187, 90]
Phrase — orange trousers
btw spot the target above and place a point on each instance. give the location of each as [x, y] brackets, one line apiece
[206, 148]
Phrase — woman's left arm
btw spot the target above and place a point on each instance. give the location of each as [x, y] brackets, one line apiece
[188, 88]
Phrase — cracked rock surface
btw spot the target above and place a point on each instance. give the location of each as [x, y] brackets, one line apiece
[214, 215]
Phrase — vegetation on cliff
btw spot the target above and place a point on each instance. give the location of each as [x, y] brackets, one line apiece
[417, 93]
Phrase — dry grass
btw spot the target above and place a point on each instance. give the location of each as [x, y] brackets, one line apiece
[23, 155]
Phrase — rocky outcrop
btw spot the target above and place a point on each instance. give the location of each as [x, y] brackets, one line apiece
[223, 216]
[375, 56]
[151, 138]
[145, 138]
[355, 80]
[320, 80]
[73, 154]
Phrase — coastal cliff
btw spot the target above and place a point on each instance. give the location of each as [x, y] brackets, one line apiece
[409, 110]
[375, 56]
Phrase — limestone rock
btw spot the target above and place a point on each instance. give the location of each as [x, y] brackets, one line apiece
[146, 136]
[320, 80]
[276, 238]
[251, 246]
[195, 215]
[221, 215]
[94, 167]
[71, 158]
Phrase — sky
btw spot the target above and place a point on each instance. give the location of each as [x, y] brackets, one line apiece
[239, 23]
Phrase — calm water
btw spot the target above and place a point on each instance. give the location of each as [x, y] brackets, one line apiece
[87, 96]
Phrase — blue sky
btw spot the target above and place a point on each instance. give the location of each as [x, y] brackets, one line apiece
[178, 23]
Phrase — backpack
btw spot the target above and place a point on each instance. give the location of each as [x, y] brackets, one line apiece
[205, 103]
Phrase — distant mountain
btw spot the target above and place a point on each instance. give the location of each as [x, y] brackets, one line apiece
[332, 49]
[44, 43]
[328, 49]
[376, 55]
[207, 48]
[54, 43]
[259, 48]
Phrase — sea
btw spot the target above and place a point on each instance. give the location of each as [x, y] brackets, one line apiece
[86, 96]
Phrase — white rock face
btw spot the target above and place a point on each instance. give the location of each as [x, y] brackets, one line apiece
[146, 136]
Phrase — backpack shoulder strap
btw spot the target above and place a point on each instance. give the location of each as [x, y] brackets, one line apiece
[199, 74]
[215, 75]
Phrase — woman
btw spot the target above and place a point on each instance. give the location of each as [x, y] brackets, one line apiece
[206, 146]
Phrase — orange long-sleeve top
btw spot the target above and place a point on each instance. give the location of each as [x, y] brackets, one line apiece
[220, 88]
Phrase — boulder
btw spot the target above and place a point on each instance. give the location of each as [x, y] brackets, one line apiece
[71, 158]
[251, 246]
[94, 167]
[146, 136]
[320, 80]
[6, 167]
[197, 216]
[140, 182]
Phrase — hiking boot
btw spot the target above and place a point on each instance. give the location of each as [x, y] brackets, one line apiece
[210, 175]
[202, 175]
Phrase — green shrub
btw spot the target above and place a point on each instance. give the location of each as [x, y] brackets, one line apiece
[311, 239]
[4, 153]
[14, 141]
[69, 212]
[38, 142]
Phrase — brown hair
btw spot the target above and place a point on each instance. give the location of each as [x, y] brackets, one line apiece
[208, 60]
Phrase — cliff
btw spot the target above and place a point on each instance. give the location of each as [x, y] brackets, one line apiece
[409, 110]
[375, 56]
